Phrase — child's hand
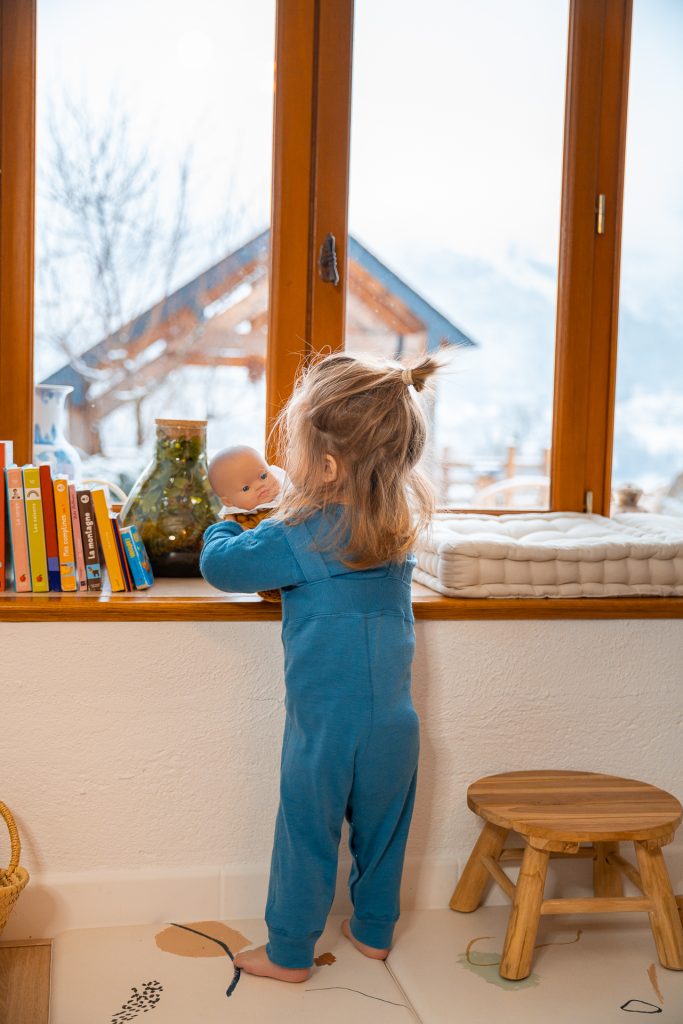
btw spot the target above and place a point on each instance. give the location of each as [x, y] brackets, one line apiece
[228, 519]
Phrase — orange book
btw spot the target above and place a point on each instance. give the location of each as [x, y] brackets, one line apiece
[65, 540]
[107, 541]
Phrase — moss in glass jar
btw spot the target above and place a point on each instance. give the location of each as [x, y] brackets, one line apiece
[172, 503]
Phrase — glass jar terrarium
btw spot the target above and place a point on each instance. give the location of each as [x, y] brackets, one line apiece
[172, 503]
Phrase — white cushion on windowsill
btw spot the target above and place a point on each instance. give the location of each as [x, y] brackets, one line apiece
[552, 554]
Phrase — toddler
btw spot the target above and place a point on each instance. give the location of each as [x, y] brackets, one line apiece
[339, 548]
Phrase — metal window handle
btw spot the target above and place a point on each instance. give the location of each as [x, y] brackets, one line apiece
[327, 264]
[600, 214]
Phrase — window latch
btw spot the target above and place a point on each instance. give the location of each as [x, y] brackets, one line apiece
[600, 215]
[327, 264]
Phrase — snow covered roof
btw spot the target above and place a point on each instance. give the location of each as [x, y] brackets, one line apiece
[220, 318]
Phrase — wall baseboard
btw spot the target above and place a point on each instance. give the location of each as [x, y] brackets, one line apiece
[52, 903]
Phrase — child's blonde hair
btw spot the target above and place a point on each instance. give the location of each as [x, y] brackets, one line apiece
[364, 415]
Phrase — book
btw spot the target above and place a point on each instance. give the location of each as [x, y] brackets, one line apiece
[21, 563]
[78, 540]
[6, 459]
[127, 576]
[142, 551]
[65, 544]
[140, 569]
[91, 553]
[35, 529]
[50, 524]
[105, 530]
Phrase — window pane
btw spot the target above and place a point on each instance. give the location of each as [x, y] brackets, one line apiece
[456, 162]
[647, 470]
[153, 209]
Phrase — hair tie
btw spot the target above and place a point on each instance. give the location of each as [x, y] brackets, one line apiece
[407, 377]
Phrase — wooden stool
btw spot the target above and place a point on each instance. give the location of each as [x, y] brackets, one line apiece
[555, 812]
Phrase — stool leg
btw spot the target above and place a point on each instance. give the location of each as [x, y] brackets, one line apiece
[518, 951]
[468, 892]
[606, 879]
[664, 919]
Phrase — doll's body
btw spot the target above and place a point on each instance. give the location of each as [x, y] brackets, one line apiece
[249, 489]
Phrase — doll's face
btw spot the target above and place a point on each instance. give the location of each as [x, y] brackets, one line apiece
[243, 480]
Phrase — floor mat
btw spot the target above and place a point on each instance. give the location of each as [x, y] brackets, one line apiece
[181, 972]
[443, 969]
[596, 969]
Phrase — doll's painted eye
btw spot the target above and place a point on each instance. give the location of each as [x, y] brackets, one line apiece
[263, 476]
[246, 487]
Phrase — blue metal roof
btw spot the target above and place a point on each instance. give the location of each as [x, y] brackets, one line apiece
[192, 296]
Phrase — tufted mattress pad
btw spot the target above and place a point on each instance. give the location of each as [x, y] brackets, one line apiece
[551, 554]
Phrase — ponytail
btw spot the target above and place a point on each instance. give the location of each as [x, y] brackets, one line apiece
[418, 375]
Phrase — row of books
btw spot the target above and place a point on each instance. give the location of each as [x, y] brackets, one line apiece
[60, 537]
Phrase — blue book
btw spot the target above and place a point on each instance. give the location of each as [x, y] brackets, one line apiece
[138, 562]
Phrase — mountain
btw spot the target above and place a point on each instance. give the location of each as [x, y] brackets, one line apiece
[503, 389]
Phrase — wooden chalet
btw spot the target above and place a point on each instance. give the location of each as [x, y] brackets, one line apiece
[221, 319]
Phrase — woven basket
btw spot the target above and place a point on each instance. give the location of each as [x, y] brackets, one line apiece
[12, 879]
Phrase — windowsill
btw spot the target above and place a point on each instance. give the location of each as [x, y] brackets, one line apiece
[176, 600]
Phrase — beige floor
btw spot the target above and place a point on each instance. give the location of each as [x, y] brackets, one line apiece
[609, 974]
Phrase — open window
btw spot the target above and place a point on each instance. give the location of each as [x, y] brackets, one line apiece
[209, 318]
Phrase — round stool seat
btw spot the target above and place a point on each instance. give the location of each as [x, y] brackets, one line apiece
[575, 806]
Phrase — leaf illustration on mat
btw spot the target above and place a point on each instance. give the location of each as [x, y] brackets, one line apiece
[204, 939]
[324, 959]
[139, 1002]
[189, 947]
[652, 975]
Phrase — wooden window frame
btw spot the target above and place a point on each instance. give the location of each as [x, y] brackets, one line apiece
[17, 206]
[588, 274]
[313, 188]
[310, 188]
[310, 199]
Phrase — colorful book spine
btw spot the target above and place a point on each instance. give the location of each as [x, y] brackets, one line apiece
[21, 562]
[90, 537]
[6, 459]
[127, 575]
[78, 540]
[35, 529]
[67, 563]
[142, 551]
[140, 569]
[107, 540]
[50, 523]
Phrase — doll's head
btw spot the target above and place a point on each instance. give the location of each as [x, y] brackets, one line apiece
[352, 434]
[242, 479]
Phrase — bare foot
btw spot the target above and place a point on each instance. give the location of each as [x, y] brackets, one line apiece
[371, 951]
[257, 961]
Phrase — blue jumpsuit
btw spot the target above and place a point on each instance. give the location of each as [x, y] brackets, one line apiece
[351, 738]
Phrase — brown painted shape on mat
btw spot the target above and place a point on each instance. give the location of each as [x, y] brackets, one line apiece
[652, 975]
[183, 943]
[324, 959]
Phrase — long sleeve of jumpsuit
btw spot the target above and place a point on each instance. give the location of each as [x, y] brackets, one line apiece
[245, 561]
[351, 737]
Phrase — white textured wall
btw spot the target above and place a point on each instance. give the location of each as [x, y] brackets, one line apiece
[141, 758]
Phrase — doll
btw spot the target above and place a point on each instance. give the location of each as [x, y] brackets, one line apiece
[248, 488]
